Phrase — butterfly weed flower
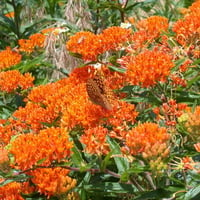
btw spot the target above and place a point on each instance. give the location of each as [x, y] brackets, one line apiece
[145, 135]
[89, 45]
[147, 31]
[149, 67]
[192, 123]
[35, 41]
[52, 181]
[197, 147]
[154, 25]
[11, 191]
[171, 112]
[13, 79]
[187, 29]
[32, 117]
[94, 140]
[51, 144]
[4, 159]
[9, 58]
[10, 14]
[114, 37]
[6, 133]
[86, 44]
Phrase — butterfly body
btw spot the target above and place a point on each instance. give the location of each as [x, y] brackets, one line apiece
[98, 92]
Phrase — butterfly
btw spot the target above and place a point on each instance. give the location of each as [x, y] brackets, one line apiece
[98, 92]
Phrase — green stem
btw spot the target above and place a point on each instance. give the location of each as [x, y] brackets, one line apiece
[16, 19]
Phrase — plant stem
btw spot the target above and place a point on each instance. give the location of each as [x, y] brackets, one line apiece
[16, 18]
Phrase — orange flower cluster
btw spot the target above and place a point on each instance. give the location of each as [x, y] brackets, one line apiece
[149, 67]
[85, 43]
[114, 80]
[156, 155]
[143, 135]
[51, 144]
[9, 58]
[35, 41]
[69, 97]
[197, 147]
[6, 132]
[52, 181]
[121, 115]
[148, 30]
[11, 191]
[4, 159]
[89, 45]
[153, 25]
[32, 116]
[13, 79]
[171, 111]
[3, 155]
[114, 37]
[193, 123]
[94, 140]
[178, 81]
[188, 29]
[189, 164]
[10, 14]
[81, 111]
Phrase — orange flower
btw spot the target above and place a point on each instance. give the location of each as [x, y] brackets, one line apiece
[79, 110]
[11, 191]
[171, 111]
[9, 58]
[149, 67]
[195, 7]
[34, 41]
[188, 29]
[153, 25]
[51, 144]
[177, 80]
[193, 123]
[32, 116]
[113, 37]
[197, 147]
[3, 155]
[6, 132]
[52, 181]
[120, 116]
[85, 43]
[148, 30]
[89, 45]
[10, 14]
[13, 79]
[94, 140]
[188, 163]
[147, 134]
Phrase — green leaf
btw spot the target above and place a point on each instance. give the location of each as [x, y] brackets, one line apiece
[121, 162]
[109, 187]
[193, 194]
[105, 161]
[158, 194]
[39, 162]
[117, 69]
[77, 159]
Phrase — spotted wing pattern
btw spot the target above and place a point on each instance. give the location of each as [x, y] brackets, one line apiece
[98, 92]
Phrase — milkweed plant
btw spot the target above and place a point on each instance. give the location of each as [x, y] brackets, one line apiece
[99, 100]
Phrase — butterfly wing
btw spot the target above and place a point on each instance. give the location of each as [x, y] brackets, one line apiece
[94, 92]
